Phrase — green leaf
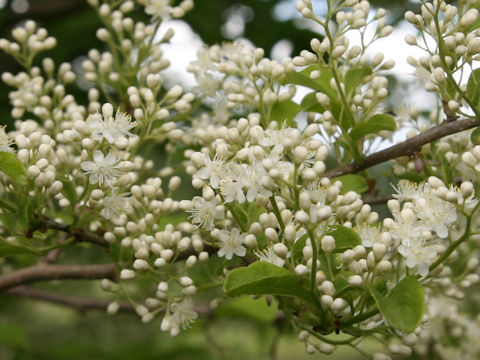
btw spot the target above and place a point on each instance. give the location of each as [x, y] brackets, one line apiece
[262, 278]
[375, 124]
[302, 78]
[475, 136]
[354, 78]
[447, 169]
[9, 220]
[7, 205]
[473, 87]
[11, 250]
[345, 238]
[298, 246]
[352, 183]
[403, 307]
[310, 103]
[247, 308]
[13, 168]
[284, 112]
[68, 189]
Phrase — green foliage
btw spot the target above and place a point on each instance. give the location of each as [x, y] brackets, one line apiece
[352, 183]
[374, 125]
[345, 238]
[403, 308]
[284, 112]
[354, 78]
[13, 168]
[261, 278]
[473, 87]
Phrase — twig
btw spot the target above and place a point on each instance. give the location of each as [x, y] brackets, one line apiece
[405, 148]
[376, 200]
[80, 235]
[44, 272]
[78, 303]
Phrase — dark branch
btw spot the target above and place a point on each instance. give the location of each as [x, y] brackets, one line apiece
[80, 304]
[377, 200]
[406, 148]
[45, 272]
[80, 235]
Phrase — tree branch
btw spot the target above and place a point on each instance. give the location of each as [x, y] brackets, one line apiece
[80, 235]
[78, 303]
[405, 148]
[44, 272]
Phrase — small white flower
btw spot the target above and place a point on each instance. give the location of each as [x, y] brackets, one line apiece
[418, 256]
[205, 212]
[407, 191]
[254, 182]
[269, 256]
[207, 85]
[232, 190]
[103, 169]
[110, 128]
[232, 244]
[5, 141]
[369, 235]
[179, 315]
[158, 8]
[214, 170]
[115, 205]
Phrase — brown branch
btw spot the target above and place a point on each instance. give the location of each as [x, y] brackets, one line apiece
[406, 148]
[377, 200]
[45, 272]
[80, 235]
[78, 303]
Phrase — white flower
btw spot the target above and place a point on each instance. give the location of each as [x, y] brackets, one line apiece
[207, 85]
[276, 138]
[115, 204]
[232, 187]
[231, 244]
[103, 169]
[5, 141]
[269, 256]
[179, 315]
[158, 8]
[436, 214]
[408, 191]
[254, 182]
[232, 190]
[418, 256]
[110, 128]
[369, 235]
[214, 170]
[318, 193]
[205, 212]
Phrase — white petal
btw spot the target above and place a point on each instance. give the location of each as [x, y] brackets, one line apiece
[98, 156]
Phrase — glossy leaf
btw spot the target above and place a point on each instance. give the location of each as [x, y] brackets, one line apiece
[284, 112]
[345, 238]
[475, 136]
[403, 308]
[374, 125]
[473, 87]
[68, 189]
[310, 103]
[13, 168]
[354, 78]
[262, 278]
[352, 183]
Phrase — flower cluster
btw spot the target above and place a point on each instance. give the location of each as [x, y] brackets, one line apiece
[282, 196]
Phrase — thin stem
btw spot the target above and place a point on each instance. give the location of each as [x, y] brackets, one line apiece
[276, 211]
